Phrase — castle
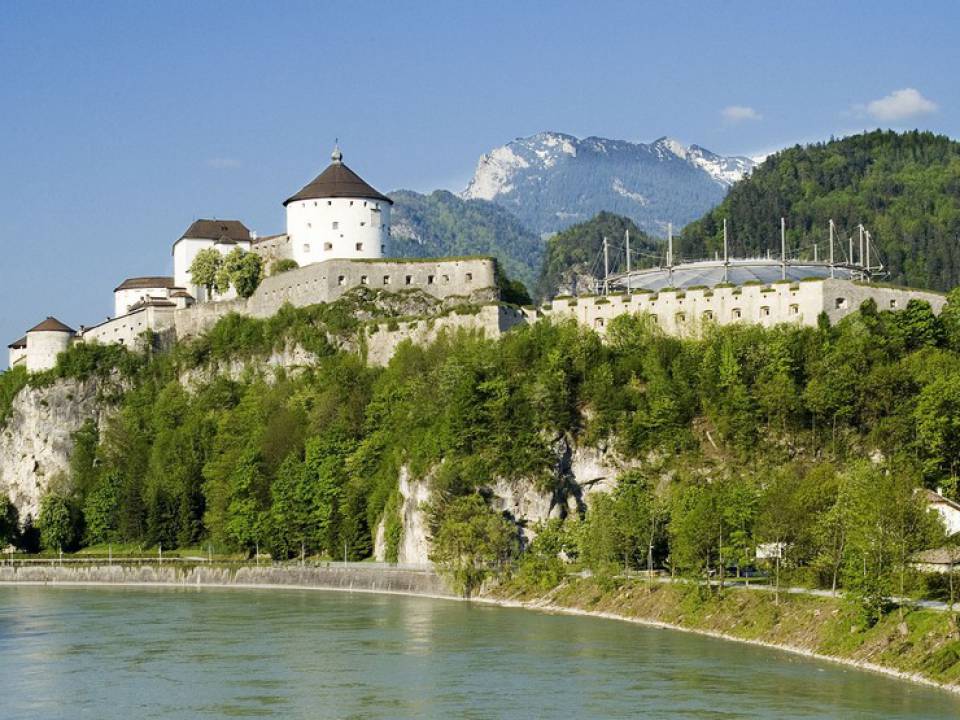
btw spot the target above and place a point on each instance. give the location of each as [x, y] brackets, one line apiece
[338, 236]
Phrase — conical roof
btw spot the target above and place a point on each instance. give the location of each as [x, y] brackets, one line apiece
[337, 181]
[51, 324]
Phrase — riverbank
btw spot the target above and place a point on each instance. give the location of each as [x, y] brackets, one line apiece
[923, 647]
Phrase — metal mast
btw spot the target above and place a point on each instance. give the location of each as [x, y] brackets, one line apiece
[627, 234]
[869, 266]
[606, 267]
[861, 250]
[783, 248]
[831, 250]
[670, 252]
[726, 256]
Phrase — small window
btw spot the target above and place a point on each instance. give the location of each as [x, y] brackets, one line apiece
[328, 247]
[359, 246]
[351, 203]
[329, 202]
[893, 304]
[794, 309]
[364, 203]
[383, 249]
[336, 225]
[309, 225]
[708, 314]
[446, 278]
[386, 279]
[680, 317]
[306, 248]
[736, 313]
[409, 280]
[362, 223]
[314, 203]
[469, 277]
[656, 319]
[598, 323]
[363, 280]
[841, 303]
[342, 280]
[765, 311]
[429, 279]
[304, 204]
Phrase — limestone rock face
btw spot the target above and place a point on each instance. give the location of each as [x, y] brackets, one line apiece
[36, 441]
[415, 543]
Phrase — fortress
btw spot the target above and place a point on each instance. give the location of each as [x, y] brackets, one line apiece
[338, 237]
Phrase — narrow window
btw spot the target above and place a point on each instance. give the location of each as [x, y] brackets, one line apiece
[328, 246]
[362, 223]
[765, 311]
[409, 279]
[893, 304]
[680, 318]
[306, 248]
[342, 280]
[794, 309]
[841, 303]
[429, 279]
[708, 314]
[469, 277]
[736, 313]
[383, 249]
[329, 202]
[386, 279]
[363, 279]
[598, 323]
[336, 225]
[446, 278]
[359, 246]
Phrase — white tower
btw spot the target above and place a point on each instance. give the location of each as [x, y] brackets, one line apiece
[337, 216]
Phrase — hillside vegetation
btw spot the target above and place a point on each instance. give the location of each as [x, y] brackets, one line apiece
[904, 187]
[443, 225]
[573, 257]
[811, 437]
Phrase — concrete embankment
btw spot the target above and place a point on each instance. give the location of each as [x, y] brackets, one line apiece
[332, 577]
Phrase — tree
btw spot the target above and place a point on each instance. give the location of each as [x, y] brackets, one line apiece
[242, 270]
[56, 523]
[282, 265]
[471, 542]
[101, 509]
[9, 525]
[206, 271]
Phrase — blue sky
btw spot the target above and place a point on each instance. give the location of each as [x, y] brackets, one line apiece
[120, 123]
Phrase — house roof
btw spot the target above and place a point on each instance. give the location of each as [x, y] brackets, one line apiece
[18, 344]
[936, 498]
[939, 556]
[338, 181]
[224, 231]
[151, 302]
[51, 324]
[145, 283]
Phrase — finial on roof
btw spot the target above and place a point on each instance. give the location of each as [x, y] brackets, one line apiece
[337, 156]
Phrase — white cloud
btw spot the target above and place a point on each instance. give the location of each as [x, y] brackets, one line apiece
[223, 163]
[899, 105]
[740, 113]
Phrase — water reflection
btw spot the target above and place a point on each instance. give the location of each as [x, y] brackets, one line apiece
[141, 653]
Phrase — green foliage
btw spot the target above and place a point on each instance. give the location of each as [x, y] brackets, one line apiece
[242, 270]
[101, 510]
[571, 254]
[206, 271]
[443, 225]
[57, 522]
[902, 186]
[471, 542]
[513, 292]
[283, 265]
[12, 381]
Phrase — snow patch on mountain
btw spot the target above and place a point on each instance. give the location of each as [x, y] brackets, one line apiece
[620, 189]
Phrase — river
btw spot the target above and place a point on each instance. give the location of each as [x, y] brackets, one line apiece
[175, 653]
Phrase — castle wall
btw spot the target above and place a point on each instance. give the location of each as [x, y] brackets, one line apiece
[17, 356]
[472, 279]
[491, 320]
[686, 312]
[127, 329]
[43, 348]
[270, 249]
[841, 297]
[326, 228]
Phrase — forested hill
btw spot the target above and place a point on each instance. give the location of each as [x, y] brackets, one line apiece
[441, 225]
[572, 253]
[904, 187]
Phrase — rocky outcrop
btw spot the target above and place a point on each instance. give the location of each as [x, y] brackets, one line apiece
[36, 440]
[580, 473]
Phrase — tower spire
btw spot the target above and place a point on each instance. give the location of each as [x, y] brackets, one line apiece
[336, 155]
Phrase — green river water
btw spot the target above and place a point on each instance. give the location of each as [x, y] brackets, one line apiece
[174, 653]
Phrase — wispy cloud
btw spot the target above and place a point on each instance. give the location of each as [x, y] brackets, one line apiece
[898, 105]
[739, 113]
[223, 163]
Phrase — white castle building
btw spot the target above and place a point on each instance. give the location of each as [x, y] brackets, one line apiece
[338, 234]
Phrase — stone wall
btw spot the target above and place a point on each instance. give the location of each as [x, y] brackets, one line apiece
[127, 329]
[686, 312]
[491, 320]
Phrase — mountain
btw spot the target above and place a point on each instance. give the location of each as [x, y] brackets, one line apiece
[551, 180]
[572, 262]
[442, 224]
[904, 187]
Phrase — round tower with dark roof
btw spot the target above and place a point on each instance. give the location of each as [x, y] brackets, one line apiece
[45, 341]
[338, 216]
